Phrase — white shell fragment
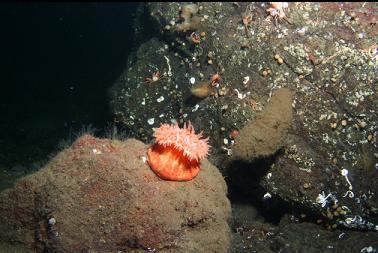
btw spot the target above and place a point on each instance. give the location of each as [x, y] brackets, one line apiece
[246, 79]
[192, 80]
[96, 151]
[151, 121]
[160, 99]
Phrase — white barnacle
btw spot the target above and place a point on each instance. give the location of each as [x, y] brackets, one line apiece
[192, 80]
[269, 175]
[160, 99]
[52, 221]
[267, 196]
[151, 121]
[144, 159]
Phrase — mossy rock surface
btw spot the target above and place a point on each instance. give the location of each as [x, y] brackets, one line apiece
[100, 195]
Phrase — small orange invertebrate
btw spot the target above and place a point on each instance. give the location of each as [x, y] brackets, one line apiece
[233, 134]
[276, 10]
[177, 152]
[256, 106]
[216, 78]
[156, 76]
[196, 39]
[247, 20]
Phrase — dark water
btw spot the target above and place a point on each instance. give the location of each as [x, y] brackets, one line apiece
[57, 63]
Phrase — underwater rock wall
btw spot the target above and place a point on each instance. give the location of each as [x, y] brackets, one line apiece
[326, 53]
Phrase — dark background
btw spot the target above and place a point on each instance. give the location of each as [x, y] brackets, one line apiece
[58, 61]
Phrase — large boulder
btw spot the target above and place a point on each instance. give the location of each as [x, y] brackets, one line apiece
[325, 150]
[99, 195]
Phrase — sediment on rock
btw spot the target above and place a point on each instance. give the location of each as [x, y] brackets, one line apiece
[266, 134]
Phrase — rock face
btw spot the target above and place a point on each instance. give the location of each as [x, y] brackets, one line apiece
[100, 195]
[326, 54]
[263, 136]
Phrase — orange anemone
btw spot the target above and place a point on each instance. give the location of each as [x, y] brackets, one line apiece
[177, 152]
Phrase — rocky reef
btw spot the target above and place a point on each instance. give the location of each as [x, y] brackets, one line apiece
[287, 94]
[324, 164]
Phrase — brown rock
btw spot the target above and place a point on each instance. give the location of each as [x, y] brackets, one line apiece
[99, 195]
[266, 134]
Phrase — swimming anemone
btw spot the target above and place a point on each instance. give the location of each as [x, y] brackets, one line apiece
[177, 152]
